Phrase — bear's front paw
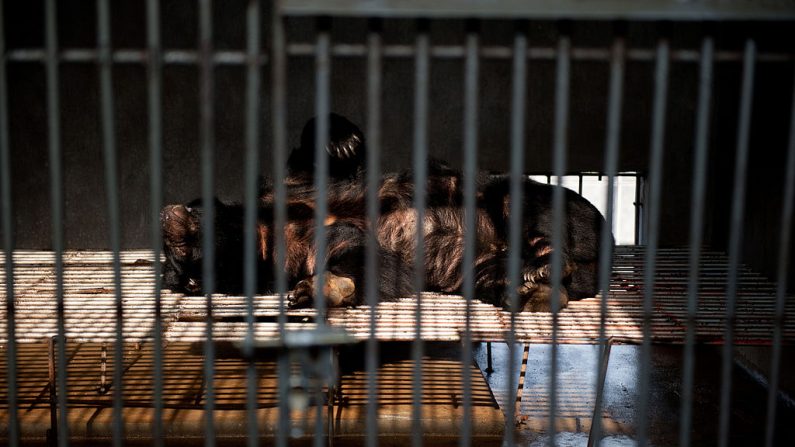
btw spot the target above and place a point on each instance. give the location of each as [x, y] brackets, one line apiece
[338, 291]
[303, 295]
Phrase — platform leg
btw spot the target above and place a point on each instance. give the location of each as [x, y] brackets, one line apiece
[520, 418]
[600, 389]
[103, 370]
[489, 364]
[52, 433]
[333, 389]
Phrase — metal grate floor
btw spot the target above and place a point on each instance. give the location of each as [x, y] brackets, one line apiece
[90, 309]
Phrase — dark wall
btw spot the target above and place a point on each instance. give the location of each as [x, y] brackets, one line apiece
[763, 201]
[86, 224]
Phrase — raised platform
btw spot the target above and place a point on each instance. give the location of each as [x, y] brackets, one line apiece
[89, 307]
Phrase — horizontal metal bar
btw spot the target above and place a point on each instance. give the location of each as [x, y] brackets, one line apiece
[693, 10]
[133, 56]
[239, 57]
[536, 53]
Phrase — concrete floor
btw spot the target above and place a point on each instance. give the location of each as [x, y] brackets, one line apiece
[576, 392]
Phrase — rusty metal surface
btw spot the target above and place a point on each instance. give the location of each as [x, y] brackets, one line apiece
[90, 306]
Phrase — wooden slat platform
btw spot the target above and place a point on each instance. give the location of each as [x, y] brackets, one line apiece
[90, 309]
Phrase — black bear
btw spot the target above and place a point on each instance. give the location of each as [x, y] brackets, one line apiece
[443, 231]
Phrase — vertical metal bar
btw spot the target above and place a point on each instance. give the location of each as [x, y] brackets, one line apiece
[279, 116]
[518, 116]
[154, 78]
[471, 69]
[206, 140]
[655, 184]
[558, 217]
[322, 108]
[112, 192]
[615, 98]
[420, 155]
[696, 225]
[374, 67]
[56, 196]
[735, 235]
[781, 288]
[8, 244]
[155, 103]
[250, 224]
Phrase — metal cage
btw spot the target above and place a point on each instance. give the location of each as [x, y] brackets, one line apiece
[703, 85]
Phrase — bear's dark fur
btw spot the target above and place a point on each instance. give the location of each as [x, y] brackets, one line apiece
[443, 230]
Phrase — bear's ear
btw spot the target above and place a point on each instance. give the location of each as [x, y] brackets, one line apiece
[180, 227]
